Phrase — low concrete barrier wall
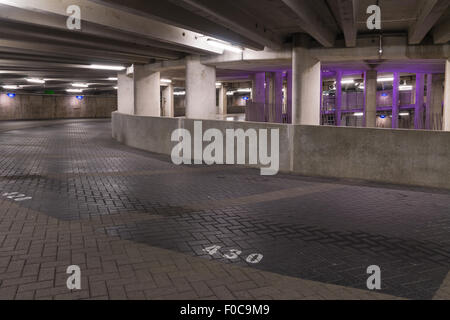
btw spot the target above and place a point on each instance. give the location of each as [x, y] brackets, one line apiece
[420, 158]
[154, 133]
[408, 157]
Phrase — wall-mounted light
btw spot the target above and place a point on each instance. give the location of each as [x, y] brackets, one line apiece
[116, 88]
[347, 81]
[80, 97]
[403, 114]
[167, 81]
[80, 85]
[358, 114]
[11, 95]
[113, 79]
[34, 80]
[405, 88]
[244, 90]
[218, 84]
[231, 93]
[103, 67]
[224, 46]
[388, 79]
[179, 93]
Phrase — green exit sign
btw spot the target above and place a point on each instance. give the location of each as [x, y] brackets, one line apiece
[49, 92]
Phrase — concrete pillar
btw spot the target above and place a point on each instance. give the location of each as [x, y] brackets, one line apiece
[395, 100]
[200, 89]
[147, 86]
[338, 105]
[278, 97]
[167, 101]
[259, 96]
[270, 94]
[419, 93]
[305, 86]
[435, 96]
[446, 115]
[259, 93]
[370, 90]
[125, 93]
[289, 95]
[223, 100]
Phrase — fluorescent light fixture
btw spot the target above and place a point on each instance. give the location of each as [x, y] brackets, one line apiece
[113, 79]
[218, 84]
[179, 93]
[102, 67]
[116, 88]
[405, 88]
[80, 85]
[244, 90]
[230, 119]
[403, 114]
[74, 90]
[34, 80]
[11, 87]
[166, 81]
[387, 79]
[358, 114]
[230, 93]
[347, 81]
[224, 46]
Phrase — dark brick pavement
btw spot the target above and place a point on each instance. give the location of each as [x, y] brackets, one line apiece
[316, 229]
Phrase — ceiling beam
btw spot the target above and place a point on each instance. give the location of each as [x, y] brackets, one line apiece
[311, 22]
[63, 50]
[168, 12]
[227, 14]
[345, 13]
[428, 14]
[441, 32]
[22, 31]
[118, 20]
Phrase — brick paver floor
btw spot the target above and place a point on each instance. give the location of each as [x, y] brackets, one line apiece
[138, 226]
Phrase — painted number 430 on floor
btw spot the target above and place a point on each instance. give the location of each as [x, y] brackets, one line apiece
[233, 254]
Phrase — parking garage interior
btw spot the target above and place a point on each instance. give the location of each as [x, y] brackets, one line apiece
[91, 92]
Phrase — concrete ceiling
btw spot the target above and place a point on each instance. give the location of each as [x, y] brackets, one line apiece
[35, 41]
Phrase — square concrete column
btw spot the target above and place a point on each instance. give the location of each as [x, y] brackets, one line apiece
[270, 93]
[419, 93]
[446, 115]
[200, 89]
[278, 97]
[305, 86]
[338, 105]
[395, 100]
[223, 100]
[289, 95]
[370, 90]
[435, 98]
[167, 101]
[125, 93]
[147, 96]
[259, 96]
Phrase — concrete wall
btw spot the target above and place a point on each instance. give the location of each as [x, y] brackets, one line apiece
[26, 107]
[154, 133]
[407, 157]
